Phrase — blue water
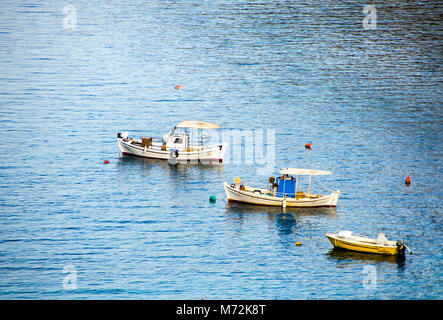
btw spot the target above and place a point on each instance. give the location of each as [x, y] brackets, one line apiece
[370, 101]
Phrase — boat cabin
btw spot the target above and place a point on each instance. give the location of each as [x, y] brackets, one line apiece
[286, 186]
[180, 142]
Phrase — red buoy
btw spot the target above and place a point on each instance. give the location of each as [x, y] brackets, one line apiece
[408, 180]
[106, 162]
[177, 87]
[308, 145]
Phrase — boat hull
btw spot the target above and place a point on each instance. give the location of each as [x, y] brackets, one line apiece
[209, 154]
[349, 244]
[236, 195]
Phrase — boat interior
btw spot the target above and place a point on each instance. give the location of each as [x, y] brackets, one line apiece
[380, 240]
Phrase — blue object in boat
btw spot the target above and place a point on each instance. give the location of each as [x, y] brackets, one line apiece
[286, 187]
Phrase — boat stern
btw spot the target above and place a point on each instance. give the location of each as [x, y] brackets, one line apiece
[222, 152]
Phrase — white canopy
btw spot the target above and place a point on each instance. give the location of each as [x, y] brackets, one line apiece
[197, 125]
[303, 172]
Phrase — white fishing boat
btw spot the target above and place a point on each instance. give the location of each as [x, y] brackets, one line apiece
[184, 144]
[285, 191]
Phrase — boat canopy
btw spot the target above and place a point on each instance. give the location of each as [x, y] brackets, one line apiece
[303, 172]
[197, 125]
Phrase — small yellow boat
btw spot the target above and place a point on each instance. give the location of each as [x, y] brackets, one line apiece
[380, 245]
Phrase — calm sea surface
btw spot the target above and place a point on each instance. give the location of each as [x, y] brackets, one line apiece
[370, 101]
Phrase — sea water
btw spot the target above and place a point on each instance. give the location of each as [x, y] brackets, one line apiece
[362, 84]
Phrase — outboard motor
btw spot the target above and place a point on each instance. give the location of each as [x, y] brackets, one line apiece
[401, 247]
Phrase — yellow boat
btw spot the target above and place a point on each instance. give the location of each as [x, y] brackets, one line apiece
[380, 245]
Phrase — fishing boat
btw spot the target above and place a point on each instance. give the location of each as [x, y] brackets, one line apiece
[185, 143]
[381, 245]
[285, 191]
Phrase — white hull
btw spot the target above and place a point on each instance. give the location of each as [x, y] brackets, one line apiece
[206, 154]
[261, 198]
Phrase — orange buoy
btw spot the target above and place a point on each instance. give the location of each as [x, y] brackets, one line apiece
[408, 180]
[308, 145]
[106, 162]
[177, 87]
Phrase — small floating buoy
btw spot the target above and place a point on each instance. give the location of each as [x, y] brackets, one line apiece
[212, 199]
[106, 162]
[298, 243]
[408, 180]
[177, 87]
[308, 145]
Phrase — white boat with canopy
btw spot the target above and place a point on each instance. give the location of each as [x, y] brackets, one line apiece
[185, 143]
[284, 191]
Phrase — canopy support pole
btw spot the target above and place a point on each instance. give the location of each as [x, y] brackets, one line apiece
[310, 184]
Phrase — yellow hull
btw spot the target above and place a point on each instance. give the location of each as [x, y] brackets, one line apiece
[361, 247]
